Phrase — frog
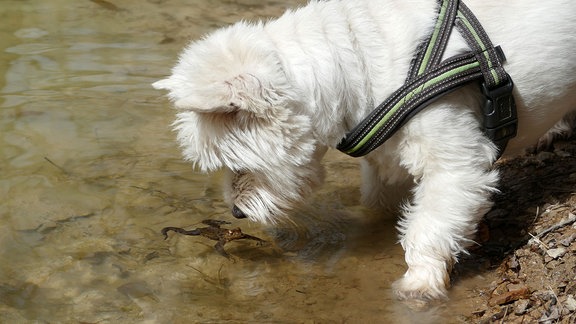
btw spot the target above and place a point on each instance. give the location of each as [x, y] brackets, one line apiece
[215, 232]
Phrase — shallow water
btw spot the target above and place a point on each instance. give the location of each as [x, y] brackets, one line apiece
[90, 173]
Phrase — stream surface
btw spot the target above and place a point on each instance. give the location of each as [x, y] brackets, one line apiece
[90, 173]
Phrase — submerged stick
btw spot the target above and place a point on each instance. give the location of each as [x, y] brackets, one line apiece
[57, 166]
[106, 5]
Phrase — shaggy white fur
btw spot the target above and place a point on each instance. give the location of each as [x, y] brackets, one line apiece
[266, 100]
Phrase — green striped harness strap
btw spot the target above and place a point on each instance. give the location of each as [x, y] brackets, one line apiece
[429, 78]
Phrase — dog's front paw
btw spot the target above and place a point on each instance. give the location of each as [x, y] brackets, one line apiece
[421, 287]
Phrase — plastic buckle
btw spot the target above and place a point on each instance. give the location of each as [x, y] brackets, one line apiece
[500, 118]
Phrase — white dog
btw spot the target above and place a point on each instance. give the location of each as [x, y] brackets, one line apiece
[266, 100]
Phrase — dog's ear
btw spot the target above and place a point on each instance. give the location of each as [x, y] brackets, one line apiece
[188, 96]
[242, 92]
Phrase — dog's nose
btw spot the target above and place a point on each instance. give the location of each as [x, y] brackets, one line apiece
[237, 212]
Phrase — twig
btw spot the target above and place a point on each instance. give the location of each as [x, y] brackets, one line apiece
[537, 214]
[555, 227]
[557, 301]
[57, 166]
[537, 240]
[503, 317]
[218, 282]
[106, 5]
[221, 281]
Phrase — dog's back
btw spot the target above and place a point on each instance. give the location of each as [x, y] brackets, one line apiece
[539, 40]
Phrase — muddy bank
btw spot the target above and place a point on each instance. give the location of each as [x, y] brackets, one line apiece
[528, 242]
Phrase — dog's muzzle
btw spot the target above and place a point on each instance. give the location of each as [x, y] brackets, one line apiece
[237, 212]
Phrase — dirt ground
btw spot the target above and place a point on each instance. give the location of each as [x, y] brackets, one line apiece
[529, 242]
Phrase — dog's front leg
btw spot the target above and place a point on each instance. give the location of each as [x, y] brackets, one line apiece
[450, 158]
[385, 185]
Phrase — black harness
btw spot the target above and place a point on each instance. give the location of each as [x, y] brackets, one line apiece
[429, 78]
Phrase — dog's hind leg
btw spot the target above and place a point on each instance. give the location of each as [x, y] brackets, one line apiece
[451, 159]
[561, 130]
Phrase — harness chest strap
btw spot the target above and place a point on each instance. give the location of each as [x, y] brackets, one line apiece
[429, 78]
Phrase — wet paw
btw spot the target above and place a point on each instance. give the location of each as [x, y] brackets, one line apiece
[418, 292]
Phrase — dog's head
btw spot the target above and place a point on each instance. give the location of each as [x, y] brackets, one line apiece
[238, 110]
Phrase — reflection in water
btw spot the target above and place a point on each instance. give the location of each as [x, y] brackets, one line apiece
[90, 173]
